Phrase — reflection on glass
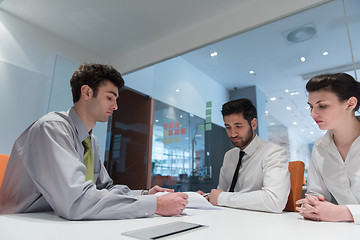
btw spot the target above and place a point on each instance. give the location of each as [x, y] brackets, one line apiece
[269, 57]
[178, 154]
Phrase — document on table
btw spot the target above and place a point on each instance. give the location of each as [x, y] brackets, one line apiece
[195, 201]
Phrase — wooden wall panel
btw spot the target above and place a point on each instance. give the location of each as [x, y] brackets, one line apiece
[129, 156]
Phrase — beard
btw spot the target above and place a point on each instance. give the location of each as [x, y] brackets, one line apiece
[244, 141]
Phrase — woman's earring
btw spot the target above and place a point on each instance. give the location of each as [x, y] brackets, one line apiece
[348, 109]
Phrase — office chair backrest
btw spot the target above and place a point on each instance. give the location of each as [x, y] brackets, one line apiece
[296, 170]
[3, 162]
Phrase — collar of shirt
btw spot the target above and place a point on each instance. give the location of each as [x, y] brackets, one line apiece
[253, 145]
[79, 125]
[327, 142]
[326, 139]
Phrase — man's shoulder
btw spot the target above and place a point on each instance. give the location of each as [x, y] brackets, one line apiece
[51, 123]
[52, 119]
[269, 146]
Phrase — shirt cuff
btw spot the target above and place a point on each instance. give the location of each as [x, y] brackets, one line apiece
[224, 198]
[355, 212]
[147, 205]
[134, 192]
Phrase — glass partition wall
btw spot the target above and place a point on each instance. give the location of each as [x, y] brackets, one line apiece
[278, 58]
[178, 147]
[182, 158]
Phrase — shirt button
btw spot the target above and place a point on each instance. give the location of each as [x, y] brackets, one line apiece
[146, 213]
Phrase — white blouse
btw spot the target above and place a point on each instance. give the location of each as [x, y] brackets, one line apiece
[336, 180]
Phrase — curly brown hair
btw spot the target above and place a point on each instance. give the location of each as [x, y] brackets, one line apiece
[93, 75]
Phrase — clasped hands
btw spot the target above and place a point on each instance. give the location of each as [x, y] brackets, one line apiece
[318, 209]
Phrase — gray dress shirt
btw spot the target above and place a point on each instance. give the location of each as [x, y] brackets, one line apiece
[45, 172]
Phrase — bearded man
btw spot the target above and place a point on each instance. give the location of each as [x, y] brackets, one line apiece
[254, 174]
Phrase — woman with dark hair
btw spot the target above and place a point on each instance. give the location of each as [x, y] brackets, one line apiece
[334, 173]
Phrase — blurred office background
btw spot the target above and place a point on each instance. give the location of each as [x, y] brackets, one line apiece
[180, 62]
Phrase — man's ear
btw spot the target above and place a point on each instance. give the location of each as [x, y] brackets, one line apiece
[86, 92]
[254, 124]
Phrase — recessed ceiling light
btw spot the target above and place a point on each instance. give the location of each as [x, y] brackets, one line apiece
[272, 98]
[311, 132]
[252, 72]
[295, 123]
[303, 59]
[156, 120]
[180, 116]
[288, 108]
[294, 93]
[325, 53]
[287, 90]
[267, 112]
[213, 54]
[177, 90]
[271, 124]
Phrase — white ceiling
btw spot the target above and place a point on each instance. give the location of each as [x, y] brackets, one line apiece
[115, 27]
[130, 24]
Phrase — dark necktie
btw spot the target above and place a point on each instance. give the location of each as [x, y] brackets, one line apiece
[88, 159]
[236, 173]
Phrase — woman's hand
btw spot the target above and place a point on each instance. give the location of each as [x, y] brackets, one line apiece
[317, 209]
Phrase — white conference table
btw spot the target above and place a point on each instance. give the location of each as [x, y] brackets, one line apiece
[223, 224]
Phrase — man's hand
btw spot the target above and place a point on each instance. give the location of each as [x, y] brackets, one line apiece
[171, 204]
[214, 195]
[317, 209]
[156, 189]
[200, 192]
[206, 196]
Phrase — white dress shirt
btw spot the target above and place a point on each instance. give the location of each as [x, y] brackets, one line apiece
[46, 172]
[264, 181]
[336, 180]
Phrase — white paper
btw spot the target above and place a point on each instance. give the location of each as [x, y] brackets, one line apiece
[195, 201]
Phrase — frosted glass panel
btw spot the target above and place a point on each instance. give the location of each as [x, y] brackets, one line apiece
[60, 96]
[21, 99]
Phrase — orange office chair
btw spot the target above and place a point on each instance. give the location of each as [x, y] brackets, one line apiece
[296, 170]
[3, 162]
